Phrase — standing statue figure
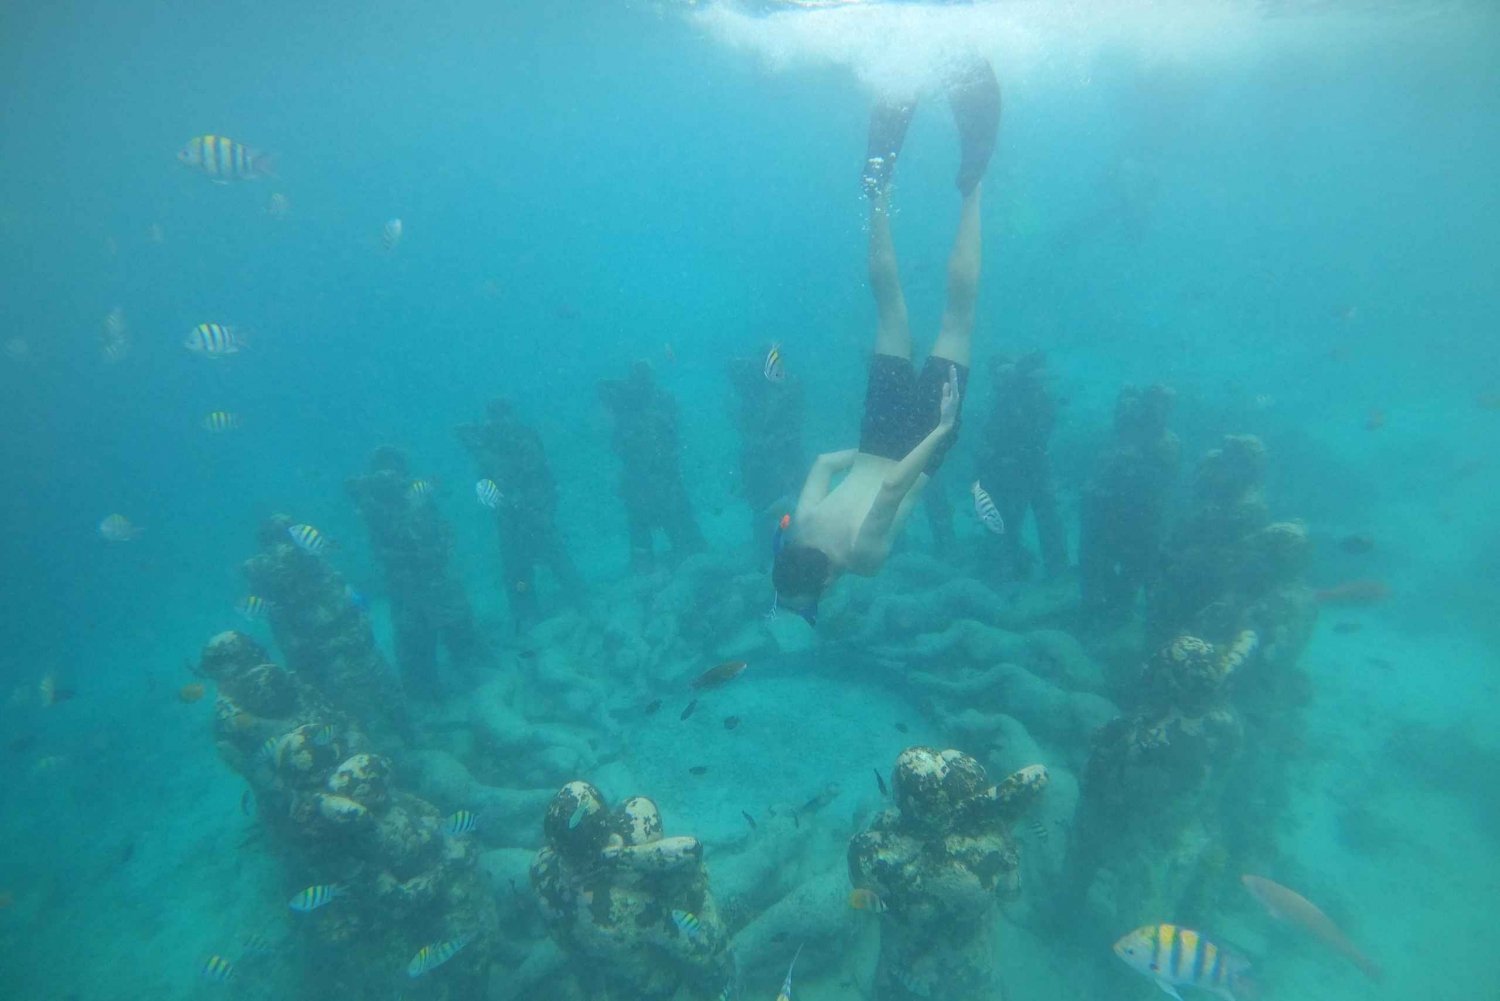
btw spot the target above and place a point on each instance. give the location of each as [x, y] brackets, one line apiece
[509, 454]
[412, 541]
[1013, 464]
[1125, 503]
[647, 441]
[769, 416]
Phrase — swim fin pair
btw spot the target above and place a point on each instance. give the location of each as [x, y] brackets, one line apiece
[974, 97]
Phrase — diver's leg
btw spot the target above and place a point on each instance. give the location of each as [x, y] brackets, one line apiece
[888, 123]
[892, 327]
[963, 285]
[975, 99]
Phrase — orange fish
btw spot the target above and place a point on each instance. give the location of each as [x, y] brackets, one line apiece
[1353, 592]
[190, 693]
[1488, 401]
[51, 693]
[866, 900]
[1375, 421]
[6, 899]
[1296, 910]
[720, 675]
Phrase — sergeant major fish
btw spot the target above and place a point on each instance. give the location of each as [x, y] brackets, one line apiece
[318, 895]
[308, 539]
[224, 160]
[1180, 957]
[984, 507]
[217, 969]
[488, 493]
[213, 340]
[786, 985]
[430, 957]
[461, 822]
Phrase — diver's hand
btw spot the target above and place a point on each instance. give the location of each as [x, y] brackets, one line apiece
[948, 408]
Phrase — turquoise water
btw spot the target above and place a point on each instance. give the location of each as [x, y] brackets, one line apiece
[1283, 211]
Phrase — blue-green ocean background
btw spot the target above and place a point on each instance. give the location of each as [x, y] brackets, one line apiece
[1289, 215]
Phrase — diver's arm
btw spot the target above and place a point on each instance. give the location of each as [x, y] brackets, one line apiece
[900, 480]
[820, 478]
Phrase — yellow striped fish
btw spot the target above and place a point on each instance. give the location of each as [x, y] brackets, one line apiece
[217, 969]
[308, 539]
[224, 160]
[786, 985]
[252, 607]
[220, 421]
[461, 822]
[316, 896]
[1180, 957]
[213, 340]
[430, 957]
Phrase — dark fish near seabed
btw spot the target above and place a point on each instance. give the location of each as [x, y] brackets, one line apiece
[730, 722]
[748, 819]
[689, 710]
[1293, 909]
[1345, 628]
[1357, 544]
[720, 674]
[901, 727]
[699, 769]
[880, 783]
[652, 706]
[247, 803]
[1038, 829]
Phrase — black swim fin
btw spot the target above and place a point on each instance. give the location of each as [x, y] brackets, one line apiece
[888, 124]
[975, 99]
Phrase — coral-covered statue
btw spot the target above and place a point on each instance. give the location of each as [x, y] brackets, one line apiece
[633, 907]
[939, 862]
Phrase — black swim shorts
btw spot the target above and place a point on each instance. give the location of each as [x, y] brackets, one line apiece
[901, 407]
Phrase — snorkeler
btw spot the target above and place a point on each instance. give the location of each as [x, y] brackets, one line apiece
[911, 420]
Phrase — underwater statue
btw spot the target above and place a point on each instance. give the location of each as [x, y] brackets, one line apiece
[377, 879]
[322, 629]
[1013, 463]
[509, 454]
[936, 865]
[1124, 505]
[630, 906]
[412, 541]
[769, 416]
[648, 442]
[1181, 791]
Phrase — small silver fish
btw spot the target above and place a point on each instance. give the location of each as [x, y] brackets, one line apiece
[578, 814]
[117, 528]
[989, 515]
[390, 235]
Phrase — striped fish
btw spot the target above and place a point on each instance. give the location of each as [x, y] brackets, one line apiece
[316, 896]
[390, 234]
[461, 822]
[488, 493]
[253, 607]
[270, 750]
[1180, 957]
[687, 924]
[212, 340]
[419, 490]
[323, 734]
[989, 515]
[786, 985]
[220, 421]
[430, 957]
[308, 539]
[217, 969]
[223, 159]
[773, 369]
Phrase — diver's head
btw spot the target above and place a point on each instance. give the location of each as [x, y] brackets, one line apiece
[799, 575]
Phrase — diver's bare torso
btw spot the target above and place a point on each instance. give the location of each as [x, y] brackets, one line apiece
[836, 523]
